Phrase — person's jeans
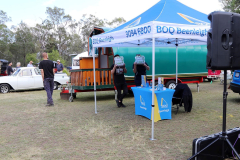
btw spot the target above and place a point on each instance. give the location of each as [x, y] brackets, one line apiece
[48, 86]
[137, 82]
[121, 86]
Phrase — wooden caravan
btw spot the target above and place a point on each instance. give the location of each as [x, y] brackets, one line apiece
[83, 79]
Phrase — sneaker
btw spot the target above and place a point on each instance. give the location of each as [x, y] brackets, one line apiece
[122, 105]
[118, 104]
[49, 105]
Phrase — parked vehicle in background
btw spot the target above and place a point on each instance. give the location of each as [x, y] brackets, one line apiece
[55, 66]
[229, 76]
[27, 78]
[3, 67]
[235, 83]
[213, 75]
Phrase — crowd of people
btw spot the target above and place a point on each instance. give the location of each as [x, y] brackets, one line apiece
[10, 70]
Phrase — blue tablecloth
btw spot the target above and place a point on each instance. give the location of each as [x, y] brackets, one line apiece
[162, 100]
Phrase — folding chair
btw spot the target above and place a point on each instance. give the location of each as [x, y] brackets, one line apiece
[178, 102]
[182, 95]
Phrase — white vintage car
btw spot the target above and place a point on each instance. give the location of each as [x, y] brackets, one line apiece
[27, 78]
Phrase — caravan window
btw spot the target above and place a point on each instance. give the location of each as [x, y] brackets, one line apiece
[75, 62]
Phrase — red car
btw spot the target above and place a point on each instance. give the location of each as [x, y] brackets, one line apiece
[3, 67]
[212, 75]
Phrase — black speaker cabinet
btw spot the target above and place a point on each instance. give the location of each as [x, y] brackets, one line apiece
[223, 41]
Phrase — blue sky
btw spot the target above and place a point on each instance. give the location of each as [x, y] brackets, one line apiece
[32, 11]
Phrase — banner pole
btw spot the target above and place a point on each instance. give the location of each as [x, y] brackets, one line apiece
[176, 61]
[94, 75]
[153, 85]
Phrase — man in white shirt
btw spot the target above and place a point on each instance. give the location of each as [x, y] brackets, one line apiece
[30, 64]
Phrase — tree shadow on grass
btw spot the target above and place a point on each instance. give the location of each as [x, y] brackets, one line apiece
[233, 100]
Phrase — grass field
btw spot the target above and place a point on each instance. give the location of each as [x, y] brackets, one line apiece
[29, 130]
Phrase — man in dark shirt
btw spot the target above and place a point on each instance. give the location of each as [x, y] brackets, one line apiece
[47, 71]
[119, 81]
[139, 70]
[9, 69]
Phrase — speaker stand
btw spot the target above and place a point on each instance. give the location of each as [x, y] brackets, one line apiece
[223, 137]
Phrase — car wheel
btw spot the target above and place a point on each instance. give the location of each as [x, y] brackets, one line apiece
[171, 84]
[55, 86]
[210, 79]
[4, 88]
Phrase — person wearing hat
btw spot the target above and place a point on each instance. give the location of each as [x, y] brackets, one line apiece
[30, 64]
[59, 67]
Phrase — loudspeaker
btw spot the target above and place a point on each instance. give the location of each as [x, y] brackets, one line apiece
[223, 41]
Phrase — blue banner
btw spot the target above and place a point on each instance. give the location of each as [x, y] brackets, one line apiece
[143, 103]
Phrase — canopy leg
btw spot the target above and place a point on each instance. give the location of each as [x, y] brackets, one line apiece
[176, 61]
[153, 84]
[94, 75]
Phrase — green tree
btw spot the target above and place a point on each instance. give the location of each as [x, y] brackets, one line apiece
[59, 23]
[6, 37]
[54, 56]
[116, 22]
[42, 35]
[24, 42]
[3, 17]
[31, 57]
[231, 5]
[88, 22]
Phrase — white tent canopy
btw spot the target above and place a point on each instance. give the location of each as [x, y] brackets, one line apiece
[167, 24]
[165, 34]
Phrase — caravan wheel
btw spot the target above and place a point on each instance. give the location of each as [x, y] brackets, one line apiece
[171, 84]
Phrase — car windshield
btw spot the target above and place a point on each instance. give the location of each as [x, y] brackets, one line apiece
[16, 72]
[37, 71]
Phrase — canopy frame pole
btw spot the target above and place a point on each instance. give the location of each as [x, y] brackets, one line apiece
[94, 75]
[153, 85]
[176, 61]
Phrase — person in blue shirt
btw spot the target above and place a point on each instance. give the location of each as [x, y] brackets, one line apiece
[59, 67]
[18, 65]
[30, 64]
